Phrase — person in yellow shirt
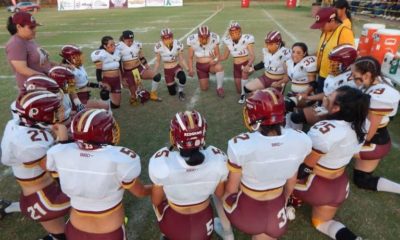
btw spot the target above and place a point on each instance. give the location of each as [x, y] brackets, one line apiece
[333, 33]
[343, 12]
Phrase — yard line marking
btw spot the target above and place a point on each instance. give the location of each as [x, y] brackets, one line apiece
[193, 100]
[142, 30]
[82, 45]
[293, 37]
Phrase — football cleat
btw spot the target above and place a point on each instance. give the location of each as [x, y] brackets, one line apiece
[290, 213]
[221, 92]
[181, 96]
[3, 205]
[242, 99]
[294, 201]
[154, 96]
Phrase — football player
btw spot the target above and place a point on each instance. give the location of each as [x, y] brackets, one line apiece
[385, 98]
[185, 178]
[107, 60]
[262, 173]
[23, 147]
[275, 54]
[133, 59]
[241, 47]
[341, 58]
[94, 174]
[323, 181]
[170, 51]
[205, 46]
[72, 56]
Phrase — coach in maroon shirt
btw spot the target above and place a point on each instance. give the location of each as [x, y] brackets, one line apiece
[23, 53]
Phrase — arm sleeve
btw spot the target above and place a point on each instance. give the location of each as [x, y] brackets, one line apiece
[311, 67]
[259, 66]
[320, 143]
[16, 51]
[234, 161]
[128, 170]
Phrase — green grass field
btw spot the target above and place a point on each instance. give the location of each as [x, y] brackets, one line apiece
[145, 128]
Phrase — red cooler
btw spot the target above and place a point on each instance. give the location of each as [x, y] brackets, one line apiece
[290, 3]
[385, 40]
[366, 39]
[245, 3]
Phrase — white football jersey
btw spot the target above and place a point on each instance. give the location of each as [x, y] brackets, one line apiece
[384, 101]
[66, 106]
[239, 49]
[273, 63]
[298, 73]
[203, 50]
[109, 61]
[169, 55]
[81, 77]
[267, 162]
[129, 53]
[336, 140]
[332, 83]
[94, 179]
[23, 147]
[184, 184]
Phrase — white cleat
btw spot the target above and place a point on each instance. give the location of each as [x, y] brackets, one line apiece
[242, 99]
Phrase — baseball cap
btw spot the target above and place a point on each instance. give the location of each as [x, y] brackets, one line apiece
[24, 18]
[323, 16]
[127, 34]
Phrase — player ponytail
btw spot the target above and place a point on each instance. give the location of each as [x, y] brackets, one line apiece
[269, 130]
[369, 64]
[193, 157]
[11, 27]
[354, 106]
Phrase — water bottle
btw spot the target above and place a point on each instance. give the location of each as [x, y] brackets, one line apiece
[394, 65]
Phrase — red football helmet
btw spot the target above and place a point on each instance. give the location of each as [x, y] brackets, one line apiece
[341, 57]
[166, 33]
[41, 83]
[63, 76]
[188, 130]
[203, 33]
[235, 31]
[273, 37]
[38, 107]
[72, 55]
[142, 95]
[265, 107]
[94, 127]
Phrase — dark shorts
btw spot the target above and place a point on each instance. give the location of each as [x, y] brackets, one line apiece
[73, 233]
[374, 151]
[84, 97]
[46, 204]
[237, 69]
[169, 74]
[256, 217]
[177, 226]
[320, 84]
[319, 191]
[203, 70]
[114, 82]
[266, 81]
[128, 75]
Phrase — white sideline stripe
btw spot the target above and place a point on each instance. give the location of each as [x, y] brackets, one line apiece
[194, 99]
[142, 30]
[83, 45]
[293, 37]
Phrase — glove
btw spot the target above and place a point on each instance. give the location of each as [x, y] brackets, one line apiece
[304, 171]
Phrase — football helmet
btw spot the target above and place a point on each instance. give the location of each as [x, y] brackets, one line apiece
[142, 95]
[167, 37]
[188, 130]
[94, 127]
[263, 108]
[38, 107]
[72, 55]
[235, 31]
[64, 77]
[341, 57]
[203, 33]
[273, 37]
[41, 83]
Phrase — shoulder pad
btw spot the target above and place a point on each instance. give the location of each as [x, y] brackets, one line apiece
[191, 40]
[158, 167]
[310, 64]
[97, 56]
[157, 47]
[249, 38]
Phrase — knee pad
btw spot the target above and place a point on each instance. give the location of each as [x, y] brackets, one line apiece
[298, 117]
[104, 94]
[113, 106]
[157, 78]
[172, 89]
[365, 180]
[246, 90]
[181, 77]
